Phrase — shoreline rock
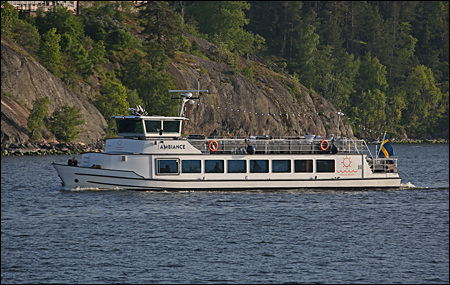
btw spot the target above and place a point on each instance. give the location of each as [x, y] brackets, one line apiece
[51, 148]
[56, 148]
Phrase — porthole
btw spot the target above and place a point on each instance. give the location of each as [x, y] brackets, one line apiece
[76, 180]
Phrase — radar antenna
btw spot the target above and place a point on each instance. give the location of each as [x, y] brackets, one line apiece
[186, 96]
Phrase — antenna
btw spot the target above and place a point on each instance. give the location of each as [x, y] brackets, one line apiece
[186, 95]
[138, 111]
[339, 120]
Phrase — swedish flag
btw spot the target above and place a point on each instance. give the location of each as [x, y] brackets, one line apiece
[386, 148]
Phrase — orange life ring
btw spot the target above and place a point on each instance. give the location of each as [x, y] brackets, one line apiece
[324, 148]
[213, 145]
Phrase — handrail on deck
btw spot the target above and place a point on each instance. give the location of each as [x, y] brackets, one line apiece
[238, 145]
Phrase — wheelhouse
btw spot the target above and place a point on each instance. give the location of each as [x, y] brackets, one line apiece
[143, 127]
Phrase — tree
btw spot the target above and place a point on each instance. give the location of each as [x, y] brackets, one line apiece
[64, 21]
[9, 17]
[371, 109]
[35, 122]
[112, 101]
[50, 50]
[64, 123]
[422, 97]
[27, 36]
[81, 59]
[307, 56]
[223, 22]
[98, 53]
[161, 24]
[152, 85]
[371, 74]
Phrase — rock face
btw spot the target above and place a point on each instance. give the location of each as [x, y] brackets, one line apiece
[237, 106]
[24, 80]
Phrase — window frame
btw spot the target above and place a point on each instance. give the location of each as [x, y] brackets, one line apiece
[319, 161]
[208, 171]
[252, 161]
[306, 166]
[157, 166]
[289, 165]
[199, 169]
[235, 160]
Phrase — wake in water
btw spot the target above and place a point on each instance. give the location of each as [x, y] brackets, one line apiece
[407, 185]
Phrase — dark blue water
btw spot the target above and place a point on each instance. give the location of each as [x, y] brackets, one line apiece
[53, 235]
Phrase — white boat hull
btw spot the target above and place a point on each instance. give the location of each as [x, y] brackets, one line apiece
[84, 177]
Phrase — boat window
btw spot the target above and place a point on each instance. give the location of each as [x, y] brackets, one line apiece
[279, 166]
[237, 166]
[325, 165]
[259, 166]
[171, 127]
[129, 126]
[167, 166]
[305, 165]
[214, 166]
[191, 166]
[152, 126]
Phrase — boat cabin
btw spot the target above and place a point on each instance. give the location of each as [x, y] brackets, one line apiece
[143, 127]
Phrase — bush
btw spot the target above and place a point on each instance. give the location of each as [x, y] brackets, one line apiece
[35, 122]
[64, 123]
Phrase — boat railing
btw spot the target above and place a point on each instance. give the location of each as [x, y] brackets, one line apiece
[383, 164]
[279, 145]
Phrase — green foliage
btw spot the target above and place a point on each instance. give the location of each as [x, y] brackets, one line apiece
[306, 57]
[98, 53]
[81, 60]
[35, 122]
[151, 84]
[133, 98]
[422, 96]
[64, 123]
[65, 22]
[112, 101]
[392, 54]
[371, 109]
[223, 22]
[226, 56]
[161, 24]
[9, 18]
[249, 71]
[27, 36]
[104, 24]
[325, 41]
[50, 50]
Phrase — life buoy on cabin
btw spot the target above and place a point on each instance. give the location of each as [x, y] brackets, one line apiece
[324, 145]
[213, 145]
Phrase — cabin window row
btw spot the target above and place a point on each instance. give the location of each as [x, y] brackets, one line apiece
[151, 127]
[172, 166]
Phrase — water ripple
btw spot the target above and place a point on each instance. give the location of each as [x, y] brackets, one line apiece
[54, 235]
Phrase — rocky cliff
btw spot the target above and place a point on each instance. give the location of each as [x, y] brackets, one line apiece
[23, 80]
[236, 105]
[240, 106]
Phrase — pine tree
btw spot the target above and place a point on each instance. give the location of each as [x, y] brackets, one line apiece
[36, 119]
[50, 50]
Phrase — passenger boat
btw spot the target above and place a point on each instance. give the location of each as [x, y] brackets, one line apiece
[152, 154]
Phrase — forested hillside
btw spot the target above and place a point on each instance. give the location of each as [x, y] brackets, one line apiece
[383, 64]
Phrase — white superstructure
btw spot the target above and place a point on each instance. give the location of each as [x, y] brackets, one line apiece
[151, 154]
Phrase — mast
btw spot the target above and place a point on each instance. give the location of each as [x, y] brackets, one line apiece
[339, 120]
[186, 96]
